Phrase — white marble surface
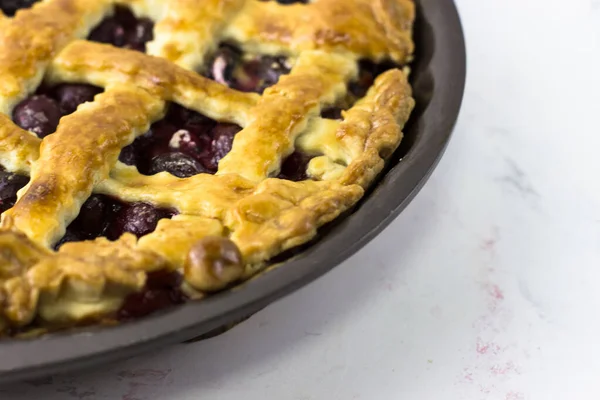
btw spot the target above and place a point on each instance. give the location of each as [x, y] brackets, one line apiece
[486, 287]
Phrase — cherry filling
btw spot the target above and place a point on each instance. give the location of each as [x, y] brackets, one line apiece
[41, 112]
[10, 7]
[367, 73]
[124, 29]
[184, 143]
[162, 289]
[293, 168]
[105, 216]
[230, 67]
[10, 184]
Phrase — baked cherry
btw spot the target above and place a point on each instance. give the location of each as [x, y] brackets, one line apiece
[358, 88]
[109, 31]
[71, 95]
[93, 217]
[141, 34]
[162, 290]
[332, 113]
[293, 168]
[260, 73]
[367, 73]
[39, 114]
[178, 164]
[10, 184]
[161, 133]
[137, 218]
[224, 63]
[187, 142]
[151, 144]
[128, 154]
[103, 215]
[229, 68]
[184, 143]
[124, 29]
[223, 135]
[125, 17]
[70, 236]
[10, 7]
[189, 120]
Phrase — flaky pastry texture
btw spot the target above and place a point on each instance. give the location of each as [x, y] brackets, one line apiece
[243, 202]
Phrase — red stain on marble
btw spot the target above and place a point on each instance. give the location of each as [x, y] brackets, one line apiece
[482, 347]
[489, 244]
[495, 292]
[468, 377]
[504, 369]
[490, 364]
[486, 389]
[496, 296]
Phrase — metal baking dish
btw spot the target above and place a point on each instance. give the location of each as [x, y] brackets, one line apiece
[438, 77]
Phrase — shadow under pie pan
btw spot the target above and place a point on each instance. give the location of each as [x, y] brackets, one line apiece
[438, 78]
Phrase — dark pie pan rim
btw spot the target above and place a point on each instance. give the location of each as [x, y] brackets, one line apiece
[439, 74]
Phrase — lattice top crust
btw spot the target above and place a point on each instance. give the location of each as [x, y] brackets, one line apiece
[228, 224]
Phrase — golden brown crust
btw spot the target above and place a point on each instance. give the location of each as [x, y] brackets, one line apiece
[173, 238]
[33, 37]
[373, 127]
[281, 214]
[105, 66]
[262, 215]
[316, 79]
[68, 168]
[188, 31]
[373, 29]
[18, 148]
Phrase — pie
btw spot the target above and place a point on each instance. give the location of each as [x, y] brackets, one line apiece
[157, 151]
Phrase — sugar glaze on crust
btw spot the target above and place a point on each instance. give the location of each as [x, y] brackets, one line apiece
[243, 203]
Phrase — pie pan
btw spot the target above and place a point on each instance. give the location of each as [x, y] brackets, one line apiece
[438, 78]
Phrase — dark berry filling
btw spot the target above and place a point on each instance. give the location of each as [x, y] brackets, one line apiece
[124, 29]
[105, 216]
[137, 218]
[184, 143]
[367, 73]
[162, 290]
[10, 7]
[10, 184]
[41, 112]
[332, 113]
[179, 164]
[293, 168]
[230, 67]
[70, 95]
